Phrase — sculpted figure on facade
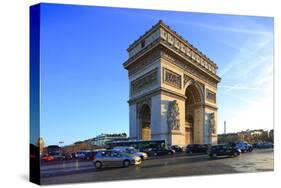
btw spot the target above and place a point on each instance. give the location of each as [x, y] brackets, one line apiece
[211, 123]
[173, 115]
[172, 78]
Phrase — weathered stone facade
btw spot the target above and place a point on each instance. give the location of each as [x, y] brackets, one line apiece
[177, 83]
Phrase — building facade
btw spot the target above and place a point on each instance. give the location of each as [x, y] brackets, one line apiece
[102, 139]
[172, 89]
[250, 136]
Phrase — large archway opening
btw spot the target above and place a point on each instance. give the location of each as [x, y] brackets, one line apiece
[145, 122]
[192, 100]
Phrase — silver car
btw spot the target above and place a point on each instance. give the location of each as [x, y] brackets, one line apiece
[131, 150]
[113, 158]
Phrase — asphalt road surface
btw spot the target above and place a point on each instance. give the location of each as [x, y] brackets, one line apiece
[259, 160]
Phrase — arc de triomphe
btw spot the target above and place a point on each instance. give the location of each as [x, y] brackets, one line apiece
[172, 89]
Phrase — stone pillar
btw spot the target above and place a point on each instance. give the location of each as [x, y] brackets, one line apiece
[157, 127]
[133, 121]
[198, 125]
[210, 127]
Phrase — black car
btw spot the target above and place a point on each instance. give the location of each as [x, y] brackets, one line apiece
[159, 151]
[223, 150]
[73, 156]
[67, 156]
[197, 148]
[90, 155]
[176, 148]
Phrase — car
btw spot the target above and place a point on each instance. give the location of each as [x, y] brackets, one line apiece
[176, 148]
[263, 145]
[197, 148]
[58, 156]
[73, 155]
[46, 158]
[90, 155]
[114, 158]
[80, 155]
[133, 151]
[159, 151]
[243, 146]
[250, 147]
[223, 150]
[66, 156]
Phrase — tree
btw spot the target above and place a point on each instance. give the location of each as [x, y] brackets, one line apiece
[41, 144]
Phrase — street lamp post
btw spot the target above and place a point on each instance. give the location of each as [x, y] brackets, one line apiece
[61, 143]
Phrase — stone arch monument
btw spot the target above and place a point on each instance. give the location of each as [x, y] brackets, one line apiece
[172, 89]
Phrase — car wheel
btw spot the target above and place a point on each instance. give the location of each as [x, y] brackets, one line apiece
[126, 163]
[190, 152]
[98, 164]
[235, 154]
[170, 153]
[155, 153]
[142, 158]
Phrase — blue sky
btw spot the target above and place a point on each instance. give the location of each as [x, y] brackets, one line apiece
[84, 88]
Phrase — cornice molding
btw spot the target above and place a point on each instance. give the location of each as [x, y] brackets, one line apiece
[157, 91]
[166, 33]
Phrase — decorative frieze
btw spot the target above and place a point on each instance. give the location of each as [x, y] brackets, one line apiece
[210, 96]
[171, 78]
[145, 61]
[187, 80]
[144, 82]
[188, 68]
[187, 51]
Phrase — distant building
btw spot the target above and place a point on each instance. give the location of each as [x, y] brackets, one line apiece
[229, 137]
[250, 136]
[102, 139]
[94, 143]
[77, 146]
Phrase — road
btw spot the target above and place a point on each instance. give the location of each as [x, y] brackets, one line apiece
[162, 166]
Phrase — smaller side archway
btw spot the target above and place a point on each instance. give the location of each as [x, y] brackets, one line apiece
[145, 122]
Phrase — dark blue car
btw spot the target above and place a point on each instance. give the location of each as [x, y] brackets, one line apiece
[223, 150]
[197, 148]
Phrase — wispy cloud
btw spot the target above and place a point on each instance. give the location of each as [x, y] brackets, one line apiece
[247, 84]
[232, 29]
[239, 87]
[247, 53]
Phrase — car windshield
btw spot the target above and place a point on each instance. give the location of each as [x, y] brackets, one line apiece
[128, 154]
[131, 150]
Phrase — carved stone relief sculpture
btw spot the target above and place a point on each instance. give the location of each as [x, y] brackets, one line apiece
[173, 115]
[172, 78]
[210, 122]
[144, 82]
